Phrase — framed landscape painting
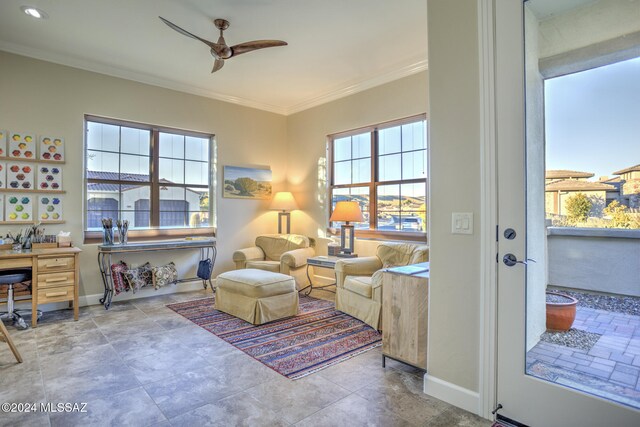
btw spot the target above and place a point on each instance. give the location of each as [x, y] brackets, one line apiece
[246, 183]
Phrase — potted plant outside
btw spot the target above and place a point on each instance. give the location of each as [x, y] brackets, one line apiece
[561, 311]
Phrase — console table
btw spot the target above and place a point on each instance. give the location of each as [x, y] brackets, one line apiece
[105, 252]
[405, 313]
[55, 273]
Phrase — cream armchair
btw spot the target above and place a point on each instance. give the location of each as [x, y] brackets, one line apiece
[279, 253]
[359, 280]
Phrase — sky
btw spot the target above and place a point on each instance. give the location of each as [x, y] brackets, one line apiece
[592, 119]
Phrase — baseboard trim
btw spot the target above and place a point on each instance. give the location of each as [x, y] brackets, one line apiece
[453, 394]
[94, 299]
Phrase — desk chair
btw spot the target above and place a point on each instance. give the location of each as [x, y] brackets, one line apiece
[5, 337]
[11, 278]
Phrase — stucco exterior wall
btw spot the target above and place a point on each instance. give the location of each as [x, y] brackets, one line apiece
[596, 22]
[603, 260]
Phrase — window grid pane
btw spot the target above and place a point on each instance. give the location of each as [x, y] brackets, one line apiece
[121, 153]
[358, 194]
[401, 156]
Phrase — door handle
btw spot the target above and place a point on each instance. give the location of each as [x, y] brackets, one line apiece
[510, 260]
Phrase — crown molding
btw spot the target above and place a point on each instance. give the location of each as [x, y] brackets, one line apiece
[101, 68]
[358, 86]
[337, 92]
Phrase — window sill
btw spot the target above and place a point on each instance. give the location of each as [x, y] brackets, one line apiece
[155, 234]
[409, 236]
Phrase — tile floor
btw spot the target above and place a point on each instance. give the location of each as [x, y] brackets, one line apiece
[611, 369]
[141, 364]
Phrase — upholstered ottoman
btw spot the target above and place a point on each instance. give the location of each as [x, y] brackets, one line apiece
[256, 296]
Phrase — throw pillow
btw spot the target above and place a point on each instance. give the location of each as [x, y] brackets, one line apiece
[164, 275]
[117, 275]
[139, 277]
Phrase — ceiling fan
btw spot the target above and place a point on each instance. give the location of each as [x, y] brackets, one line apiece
[220, 50]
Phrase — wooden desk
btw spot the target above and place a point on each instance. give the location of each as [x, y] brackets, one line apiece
[55, 275]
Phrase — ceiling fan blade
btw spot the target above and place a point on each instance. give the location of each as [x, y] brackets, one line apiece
[184, 32]
[255, 45]
[217, 64]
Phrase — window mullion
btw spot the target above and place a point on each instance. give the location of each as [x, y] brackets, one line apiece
[373, 202]
[154, 168]
[120, 198]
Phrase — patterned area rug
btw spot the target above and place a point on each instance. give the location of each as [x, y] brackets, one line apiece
[318, 337]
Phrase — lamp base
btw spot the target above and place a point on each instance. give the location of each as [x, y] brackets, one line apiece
[284, 223]
[343, 255]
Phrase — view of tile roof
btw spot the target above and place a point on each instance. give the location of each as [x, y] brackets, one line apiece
[115, 176]
[575, 185]
[564, 174]
[635, 168]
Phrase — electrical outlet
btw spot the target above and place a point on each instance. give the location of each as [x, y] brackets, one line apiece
[462, 223]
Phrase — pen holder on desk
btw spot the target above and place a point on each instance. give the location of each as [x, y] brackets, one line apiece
[107, 236]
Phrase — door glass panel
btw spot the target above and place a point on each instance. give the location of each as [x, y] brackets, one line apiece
[583, 217]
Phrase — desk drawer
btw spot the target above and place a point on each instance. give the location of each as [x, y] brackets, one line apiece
[15, 263]
[55, 264]
[57, 294]
[50, 280]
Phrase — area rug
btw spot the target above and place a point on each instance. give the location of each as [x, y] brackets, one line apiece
[318, 337]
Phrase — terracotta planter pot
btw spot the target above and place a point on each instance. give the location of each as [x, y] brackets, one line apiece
[560, 315]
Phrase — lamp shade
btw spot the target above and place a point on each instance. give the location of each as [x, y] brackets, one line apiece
[283, 201]
[347, 211]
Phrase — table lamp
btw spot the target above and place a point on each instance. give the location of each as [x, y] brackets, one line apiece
[347, 212]
[283, 201]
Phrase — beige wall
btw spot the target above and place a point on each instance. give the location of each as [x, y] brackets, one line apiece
[307, 134]
[454, 113]
[43, 97]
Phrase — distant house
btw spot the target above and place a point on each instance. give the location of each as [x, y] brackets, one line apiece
[630, 186]
[560, 174]
[563, 184]
[178, 206]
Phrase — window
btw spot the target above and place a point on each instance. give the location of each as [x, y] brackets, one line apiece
[384, 169]
[158, 179]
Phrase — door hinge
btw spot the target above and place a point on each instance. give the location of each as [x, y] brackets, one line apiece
[497, 232]
[496, 409]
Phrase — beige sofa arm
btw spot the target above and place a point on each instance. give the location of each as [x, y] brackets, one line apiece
[364, 266]
[296, 258]
[241, 256]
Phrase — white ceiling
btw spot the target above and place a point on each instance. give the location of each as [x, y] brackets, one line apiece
[336, 47]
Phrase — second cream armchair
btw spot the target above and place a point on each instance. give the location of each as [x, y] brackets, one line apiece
[359, 280]
[279, 253]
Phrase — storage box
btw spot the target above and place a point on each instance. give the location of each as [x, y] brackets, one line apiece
[44, 245]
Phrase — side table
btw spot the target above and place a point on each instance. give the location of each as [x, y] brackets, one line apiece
[322, 262]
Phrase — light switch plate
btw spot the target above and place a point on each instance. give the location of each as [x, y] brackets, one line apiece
[462, 223]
